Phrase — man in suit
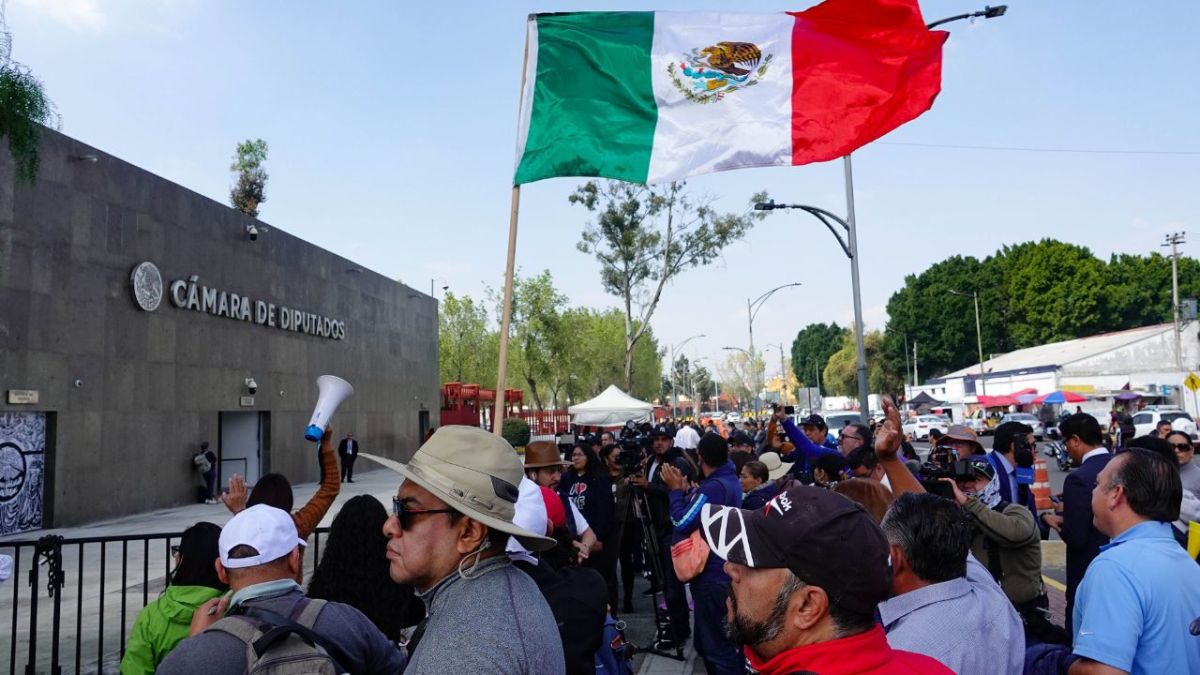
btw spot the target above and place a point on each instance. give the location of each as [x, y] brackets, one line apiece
[1085, 444]
[348, 452]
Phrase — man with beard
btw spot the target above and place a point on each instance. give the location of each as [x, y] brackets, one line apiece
[808, 571]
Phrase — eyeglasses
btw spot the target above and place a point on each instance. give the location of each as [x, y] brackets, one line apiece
[853, 438]
[405, 515]
[1183, 447]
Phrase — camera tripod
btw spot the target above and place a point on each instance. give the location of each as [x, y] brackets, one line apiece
[662, 618]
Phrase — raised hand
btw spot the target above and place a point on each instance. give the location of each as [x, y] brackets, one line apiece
[235, 498]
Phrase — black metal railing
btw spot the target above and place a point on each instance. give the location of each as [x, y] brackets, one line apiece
[85, 601]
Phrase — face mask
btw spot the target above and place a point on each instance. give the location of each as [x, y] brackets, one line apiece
[990, 494]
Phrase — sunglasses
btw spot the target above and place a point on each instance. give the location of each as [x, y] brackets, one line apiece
[405, 515]
[1182, 447]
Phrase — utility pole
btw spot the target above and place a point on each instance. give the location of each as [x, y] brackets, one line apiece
[1174, 240]
[916, 381]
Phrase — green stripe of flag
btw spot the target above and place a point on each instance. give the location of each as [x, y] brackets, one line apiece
[593, 111]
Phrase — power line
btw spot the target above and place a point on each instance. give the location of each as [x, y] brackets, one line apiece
[1008, 148]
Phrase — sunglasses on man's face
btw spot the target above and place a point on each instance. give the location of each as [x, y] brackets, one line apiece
[405, 514]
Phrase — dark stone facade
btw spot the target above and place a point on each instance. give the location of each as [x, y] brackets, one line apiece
[151, 384]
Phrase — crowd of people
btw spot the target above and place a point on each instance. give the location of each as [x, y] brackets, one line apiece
[777, 549]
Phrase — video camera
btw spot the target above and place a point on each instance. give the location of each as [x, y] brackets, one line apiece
[933, 471]
[633, 448]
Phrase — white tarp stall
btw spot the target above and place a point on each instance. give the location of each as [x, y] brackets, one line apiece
[611, 408]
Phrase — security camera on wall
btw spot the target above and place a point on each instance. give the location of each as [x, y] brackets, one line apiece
[251, 386]
[252, 232]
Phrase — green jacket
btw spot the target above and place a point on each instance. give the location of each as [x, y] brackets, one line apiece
[161, 625]
[1010, 535]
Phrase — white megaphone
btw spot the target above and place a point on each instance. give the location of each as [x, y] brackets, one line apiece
[332, 391]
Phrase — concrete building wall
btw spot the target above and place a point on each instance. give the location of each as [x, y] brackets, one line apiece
[133, 392]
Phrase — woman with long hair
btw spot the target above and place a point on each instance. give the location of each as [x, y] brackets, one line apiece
[587, 484]
[164, 623]
[354, 569]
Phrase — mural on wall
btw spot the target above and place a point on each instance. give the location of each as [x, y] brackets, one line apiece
[22, 467]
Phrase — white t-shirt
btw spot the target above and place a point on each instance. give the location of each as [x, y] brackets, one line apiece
[687, 438]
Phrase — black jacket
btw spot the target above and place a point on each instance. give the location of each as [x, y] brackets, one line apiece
[1081, 536]
[578, 598]
[657, 495]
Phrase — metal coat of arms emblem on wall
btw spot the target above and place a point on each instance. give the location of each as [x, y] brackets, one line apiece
[709, 74]
[147, 286]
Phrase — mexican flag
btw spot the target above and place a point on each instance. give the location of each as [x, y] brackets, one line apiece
[650, 97]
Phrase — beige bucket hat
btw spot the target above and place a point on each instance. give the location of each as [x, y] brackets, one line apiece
[776, 467]
[476, 473]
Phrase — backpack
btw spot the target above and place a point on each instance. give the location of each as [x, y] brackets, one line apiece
[614, 656]
[202, 463]
[276, 645]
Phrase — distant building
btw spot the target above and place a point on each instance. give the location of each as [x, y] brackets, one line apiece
[1101, 367]
[138, 319]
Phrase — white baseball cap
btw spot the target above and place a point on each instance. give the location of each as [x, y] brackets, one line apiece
[269, 530]
[530, 515]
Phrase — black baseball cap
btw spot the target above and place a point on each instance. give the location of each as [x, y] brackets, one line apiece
[661, 430]
[824, 538]
[739, 438]
[814, 420]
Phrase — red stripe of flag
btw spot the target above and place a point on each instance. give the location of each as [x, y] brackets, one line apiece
[860, 68]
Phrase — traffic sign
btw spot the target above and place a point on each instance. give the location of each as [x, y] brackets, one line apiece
[1192, 381]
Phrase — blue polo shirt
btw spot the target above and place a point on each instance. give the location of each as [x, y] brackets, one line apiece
[1136, 602]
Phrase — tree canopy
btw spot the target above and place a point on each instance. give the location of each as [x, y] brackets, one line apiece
[1029, 294]
[643, 236]
[811, 349]
[24, 106]
[250, 190]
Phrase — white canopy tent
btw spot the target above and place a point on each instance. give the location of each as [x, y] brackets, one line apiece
[611, 408]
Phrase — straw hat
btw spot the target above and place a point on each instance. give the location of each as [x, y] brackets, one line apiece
[776, 467]
[476, 473]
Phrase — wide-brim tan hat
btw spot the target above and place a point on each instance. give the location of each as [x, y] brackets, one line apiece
[961, 432]
[776, 467]
[476, 473]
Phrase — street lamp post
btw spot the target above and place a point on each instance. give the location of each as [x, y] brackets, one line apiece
[752, 308]
[849, 245]
[986, 13]
[783, 379]
[445, 285]
[978, 336]
[674, 394]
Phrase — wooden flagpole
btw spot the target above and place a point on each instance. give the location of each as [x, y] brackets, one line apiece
[506, 310]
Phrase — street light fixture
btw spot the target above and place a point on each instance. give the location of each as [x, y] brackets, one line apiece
[445, 285]
[674, 394]
[849, 244]
[752, 308]
[985, 13]
[978, 336]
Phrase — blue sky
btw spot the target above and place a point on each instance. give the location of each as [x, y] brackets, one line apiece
[391, 127]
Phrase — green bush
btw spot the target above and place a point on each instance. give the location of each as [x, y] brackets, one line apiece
[516, 431]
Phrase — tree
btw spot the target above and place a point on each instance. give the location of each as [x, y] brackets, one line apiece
[24, 108]
[251, 187]
[1138, 288]
[739, 377]
[1055, 291]
[942, 323]
[811, 349]
[644, 236]
[467, 349]
[537, 335]
[841, 375]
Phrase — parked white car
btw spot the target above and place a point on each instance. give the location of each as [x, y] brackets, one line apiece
[1039, 429]
[840, 418]
[919, 427]
[733, 417]
[1145, 421]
